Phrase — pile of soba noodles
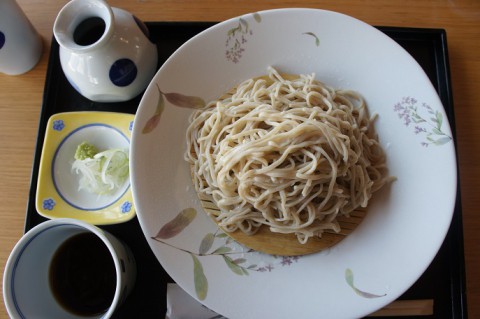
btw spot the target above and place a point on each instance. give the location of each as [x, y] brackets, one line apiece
[287, 152]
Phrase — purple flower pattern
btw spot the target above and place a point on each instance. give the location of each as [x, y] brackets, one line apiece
[237, 37]
[242, 266]
[424, 119]
[269, 267]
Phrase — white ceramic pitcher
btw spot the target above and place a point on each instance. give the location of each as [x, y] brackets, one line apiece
[105, 52]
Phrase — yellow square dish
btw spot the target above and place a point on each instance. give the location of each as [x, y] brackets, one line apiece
[58, 194]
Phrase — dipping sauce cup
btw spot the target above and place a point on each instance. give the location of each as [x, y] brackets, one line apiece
[66, 268]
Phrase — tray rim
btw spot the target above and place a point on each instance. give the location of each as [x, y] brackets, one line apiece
[438, 36]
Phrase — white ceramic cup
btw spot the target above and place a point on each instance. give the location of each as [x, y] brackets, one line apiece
[20, 44]
[26, 285]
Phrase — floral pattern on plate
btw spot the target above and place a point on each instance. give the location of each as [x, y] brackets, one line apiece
[218, 244]
[425, 121]
[237, 37]
[236, 257]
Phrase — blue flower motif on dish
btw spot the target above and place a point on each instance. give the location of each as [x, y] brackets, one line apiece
[58, 125]
[130, 127]
[126, 207]
[49, 204]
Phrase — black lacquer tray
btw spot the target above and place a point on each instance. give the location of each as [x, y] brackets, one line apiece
[443, 281]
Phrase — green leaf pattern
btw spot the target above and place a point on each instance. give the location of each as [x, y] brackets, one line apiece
[199, 278]
[349, 279]
[236, 257]
[206, 243]
[317, 40]
[238, 261]
[222, 250]
[235, 267]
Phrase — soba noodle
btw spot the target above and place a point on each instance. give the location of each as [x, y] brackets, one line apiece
[292, 154]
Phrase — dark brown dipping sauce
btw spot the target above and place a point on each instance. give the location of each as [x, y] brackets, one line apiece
[82, 275]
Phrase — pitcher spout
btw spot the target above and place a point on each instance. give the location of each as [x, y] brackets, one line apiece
[84, 25]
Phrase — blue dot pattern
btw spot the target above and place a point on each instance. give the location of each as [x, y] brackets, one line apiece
[2, 39]
[123, 72]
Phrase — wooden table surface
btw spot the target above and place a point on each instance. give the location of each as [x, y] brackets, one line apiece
[21, 96]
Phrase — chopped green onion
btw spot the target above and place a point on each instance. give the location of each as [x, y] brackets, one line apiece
[101, 172]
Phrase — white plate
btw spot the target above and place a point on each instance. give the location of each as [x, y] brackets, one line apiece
[406, 223]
